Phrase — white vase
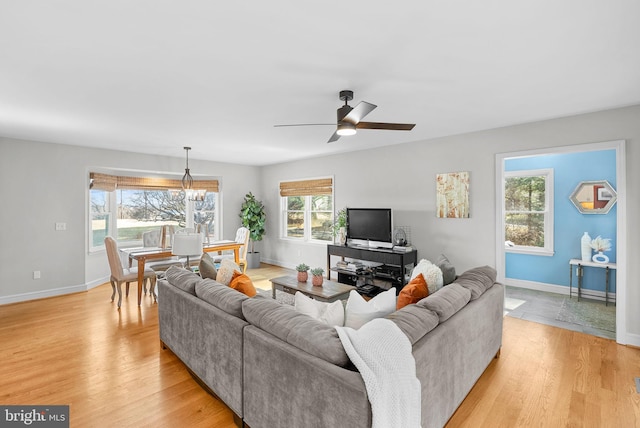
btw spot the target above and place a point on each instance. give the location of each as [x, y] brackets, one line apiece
[599, 257]
[342, 235]
[585, 245]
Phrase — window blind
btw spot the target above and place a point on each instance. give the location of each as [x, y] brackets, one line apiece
[110, 183]
[322, 186]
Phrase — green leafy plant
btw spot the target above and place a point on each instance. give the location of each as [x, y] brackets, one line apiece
[340, 220]
[317, 271]
[253, 218]
[302, 267]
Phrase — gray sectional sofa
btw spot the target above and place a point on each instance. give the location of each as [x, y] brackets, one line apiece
[276, 367]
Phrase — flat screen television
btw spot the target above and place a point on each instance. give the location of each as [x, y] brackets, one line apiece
[370, 226]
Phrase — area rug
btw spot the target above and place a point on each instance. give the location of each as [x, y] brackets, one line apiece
[281, 296]
[588, 314]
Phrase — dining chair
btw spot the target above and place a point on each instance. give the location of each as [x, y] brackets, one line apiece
[242, 237]
[119, 274]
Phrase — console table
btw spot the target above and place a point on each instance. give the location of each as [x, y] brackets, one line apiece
[580, 273]
[377, 255]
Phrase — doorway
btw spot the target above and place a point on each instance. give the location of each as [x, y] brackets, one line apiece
[551, 267]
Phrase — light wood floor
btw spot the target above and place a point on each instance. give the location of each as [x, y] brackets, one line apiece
[108, 366]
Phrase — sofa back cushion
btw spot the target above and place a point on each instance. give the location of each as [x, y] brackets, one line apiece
[183, 279]
[447, 301]
[478, 280]
[415, 321]
[296, 329]
[222, 297]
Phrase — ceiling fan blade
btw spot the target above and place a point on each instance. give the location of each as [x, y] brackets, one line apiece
[334, 137]
[388, 126]
[305, 124]
[359, 112]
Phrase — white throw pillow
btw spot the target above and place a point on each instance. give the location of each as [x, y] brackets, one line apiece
[432, 275]
[225, 273]
[358, 311]
[329, 313]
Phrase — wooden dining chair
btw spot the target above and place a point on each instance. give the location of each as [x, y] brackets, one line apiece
[119, 274]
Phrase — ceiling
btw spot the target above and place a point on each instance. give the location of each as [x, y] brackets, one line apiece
[153, 76]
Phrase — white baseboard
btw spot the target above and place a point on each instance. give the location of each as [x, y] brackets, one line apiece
[23, 297]
[559, 289]
[633, 339]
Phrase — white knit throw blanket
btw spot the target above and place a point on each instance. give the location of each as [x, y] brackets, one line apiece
[382, 354]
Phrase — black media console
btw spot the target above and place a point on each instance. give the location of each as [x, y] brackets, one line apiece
[392, 270]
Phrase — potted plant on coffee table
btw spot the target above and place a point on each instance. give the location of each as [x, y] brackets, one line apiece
[253, 218]
[303, 275]
[317, 277]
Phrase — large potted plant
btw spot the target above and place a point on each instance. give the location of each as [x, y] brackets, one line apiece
[253, 218]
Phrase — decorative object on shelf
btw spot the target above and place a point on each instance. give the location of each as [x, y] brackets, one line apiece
[303, 275]
[452, 195]
[594, 197]
[585, 247]
[187, 183]
[340, 226]
[317, 277]
[253, 218]
[600, 245]
[399, 237]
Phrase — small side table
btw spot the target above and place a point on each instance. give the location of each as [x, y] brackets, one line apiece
[580, 273]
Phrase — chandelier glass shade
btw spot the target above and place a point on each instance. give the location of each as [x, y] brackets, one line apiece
[191, 194]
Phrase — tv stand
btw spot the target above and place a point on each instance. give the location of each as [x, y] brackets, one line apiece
[395, 263]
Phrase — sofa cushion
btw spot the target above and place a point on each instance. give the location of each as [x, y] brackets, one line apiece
[207, 267]
[478, 280]
[448, 270]
[329, 313]
[447, 301]
[222, 297]
[415, 321]
[225, 273]
[242, 283]
[413, 292]
[358, 311]
[299, 330]
[183, 279]
[432, 274]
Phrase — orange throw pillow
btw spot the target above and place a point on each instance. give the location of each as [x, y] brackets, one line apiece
[242, 283]
[413, 292]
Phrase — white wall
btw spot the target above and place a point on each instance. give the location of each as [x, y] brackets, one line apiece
[402, 177]
[42, 184]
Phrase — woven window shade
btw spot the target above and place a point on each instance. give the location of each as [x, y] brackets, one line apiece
[103, 181]
[113, 182]
[323, 186]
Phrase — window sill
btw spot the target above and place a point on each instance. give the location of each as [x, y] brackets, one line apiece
[530, 251]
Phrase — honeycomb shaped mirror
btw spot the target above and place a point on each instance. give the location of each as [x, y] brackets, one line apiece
[594, 197]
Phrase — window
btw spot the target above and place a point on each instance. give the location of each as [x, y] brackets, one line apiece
[143, 204]
[99, 217]
[529, 211]
[307, 210]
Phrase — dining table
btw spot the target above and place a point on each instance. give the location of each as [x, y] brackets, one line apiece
[142, 254]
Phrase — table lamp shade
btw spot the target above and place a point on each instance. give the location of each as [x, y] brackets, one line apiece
[187, 244]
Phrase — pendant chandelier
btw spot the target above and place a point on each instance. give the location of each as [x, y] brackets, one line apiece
[191, 194]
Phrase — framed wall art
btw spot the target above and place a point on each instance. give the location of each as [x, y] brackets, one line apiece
[452, 195]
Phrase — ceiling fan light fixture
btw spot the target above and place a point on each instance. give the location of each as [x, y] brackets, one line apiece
[345, 129]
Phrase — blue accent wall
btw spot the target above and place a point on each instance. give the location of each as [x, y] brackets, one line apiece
[569, 224]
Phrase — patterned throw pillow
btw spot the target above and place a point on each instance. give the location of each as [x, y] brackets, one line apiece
[225, 273]
[432, 275]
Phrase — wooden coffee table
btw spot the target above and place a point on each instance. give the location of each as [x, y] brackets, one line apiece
[329, 292]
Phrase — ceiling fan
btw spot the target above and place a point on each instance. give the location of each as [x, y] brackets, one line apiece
[349, 119]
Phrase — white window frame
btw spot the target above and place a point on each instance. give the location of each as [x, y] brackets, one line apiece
[307, 221]
[548, 249]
